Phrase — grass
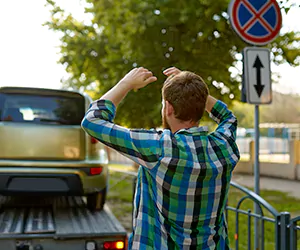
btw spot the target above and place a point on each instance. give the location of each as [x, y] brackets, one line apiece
[120, 196]
[120, 202]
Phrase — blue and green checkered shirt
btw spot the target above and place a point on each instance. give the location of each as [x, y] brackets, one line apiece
[183, 180]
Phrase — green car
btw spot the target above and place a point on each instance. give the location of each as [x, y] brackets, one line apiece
[43, 149]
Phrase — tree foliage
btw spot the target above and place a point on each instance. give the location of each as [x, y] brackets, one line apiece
[192, 35]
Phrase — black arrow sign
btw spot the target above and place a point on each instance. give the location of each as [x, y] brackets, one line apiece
[258, 65]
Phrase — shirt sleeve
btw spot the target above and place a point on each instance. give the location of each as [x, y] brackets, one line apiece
[141, 146]
[226, 130]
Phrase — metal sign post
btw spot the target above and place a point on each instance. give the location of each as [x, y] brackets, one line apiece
[257, 22]
[256, 163]
[258, 89]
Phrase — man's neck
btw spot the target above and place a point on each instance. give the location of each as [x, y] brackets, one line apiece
[178, 125]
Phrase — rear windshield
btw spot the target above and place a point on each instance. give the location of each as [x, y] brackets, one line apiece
[41, 109]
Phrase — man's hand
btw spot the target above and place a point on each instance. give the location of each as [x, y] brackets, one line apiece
[171, 71]
[138, 78]
[210, 103]
[135, 79]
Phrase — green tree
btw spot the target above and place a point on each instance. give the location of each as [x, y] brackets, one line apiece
[193, 35]
[244, 113]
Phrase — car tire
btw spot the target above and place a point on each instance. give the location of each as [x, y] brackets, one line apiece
[96, 201]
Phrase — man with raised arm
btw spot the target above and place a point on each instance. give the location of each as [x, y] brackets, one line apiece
[185, 172]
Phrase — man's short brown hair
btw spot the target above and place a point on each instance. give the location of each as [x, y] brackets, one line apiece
[187, 92]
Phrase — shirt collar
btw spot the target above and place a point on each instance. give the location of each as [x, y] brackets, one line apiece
[193, 130]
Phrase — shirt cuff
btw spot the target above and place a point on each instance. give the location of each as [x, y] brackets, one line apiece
[218, 111]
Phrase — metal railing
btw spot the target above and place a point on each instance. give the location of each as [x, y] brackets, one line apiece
[284, 228]
[294, 227]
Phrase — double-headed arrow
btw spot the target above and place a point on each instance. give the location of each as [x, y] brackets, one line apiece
[258, 86]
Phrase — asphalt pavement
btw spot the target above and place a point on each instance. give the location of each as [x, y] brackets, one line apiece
[288, 186]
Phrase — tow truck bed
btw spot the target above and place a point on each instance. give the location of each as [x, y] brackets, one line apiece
[35, 223]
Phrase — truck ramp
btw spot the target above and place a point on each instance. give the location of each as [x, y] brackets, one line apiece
[58, 217]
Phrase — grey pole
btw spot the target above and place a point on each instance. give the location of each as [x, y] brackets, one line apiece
[256, 176]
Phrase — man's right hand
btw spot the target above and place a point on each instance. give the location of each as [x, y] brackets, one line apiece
[171, 71]
[138, 78]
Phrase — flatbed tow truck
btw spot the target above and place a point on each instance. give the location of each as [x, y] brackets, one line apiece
[57, 223]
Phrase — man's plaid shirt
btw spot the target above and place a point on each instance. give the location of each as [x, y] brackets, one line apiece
[183, 180]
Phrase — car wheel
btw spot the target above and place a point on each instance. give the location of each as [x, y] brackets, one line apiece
[96, 201]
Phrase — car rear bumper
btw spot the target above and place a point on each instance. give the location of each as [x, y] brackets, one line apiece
[50, 164]
[66, 184]
[59, 169]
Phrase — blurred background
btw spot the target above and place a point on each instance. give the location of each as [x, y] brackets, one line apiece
[89, 45]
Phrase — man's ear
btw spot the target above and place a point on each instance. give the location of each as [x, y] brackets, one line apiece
[169, 109]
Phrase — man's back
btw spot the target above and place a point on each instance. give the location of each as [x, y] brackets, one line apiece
[183, 180]
[186, 191]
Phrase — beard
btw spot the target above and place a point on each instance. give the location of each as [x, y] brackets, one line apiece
[165, 123]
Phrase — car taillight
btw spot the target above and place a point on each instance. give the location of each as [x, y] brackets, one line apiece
[93, 140]
[96, 171]
[113, 245]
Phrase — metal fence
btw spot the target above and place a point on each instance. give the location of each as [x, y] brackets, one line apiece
[284, 228]
[294, 225]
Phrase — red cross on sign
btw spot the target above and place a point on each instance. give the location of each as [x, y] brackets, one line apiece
[257, 22]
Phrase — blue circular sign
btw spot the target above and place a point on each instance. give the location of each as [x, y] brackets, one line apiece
[257, 22]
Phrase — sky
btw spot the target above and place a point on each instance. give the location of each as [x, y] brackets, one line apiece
[29, 51]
